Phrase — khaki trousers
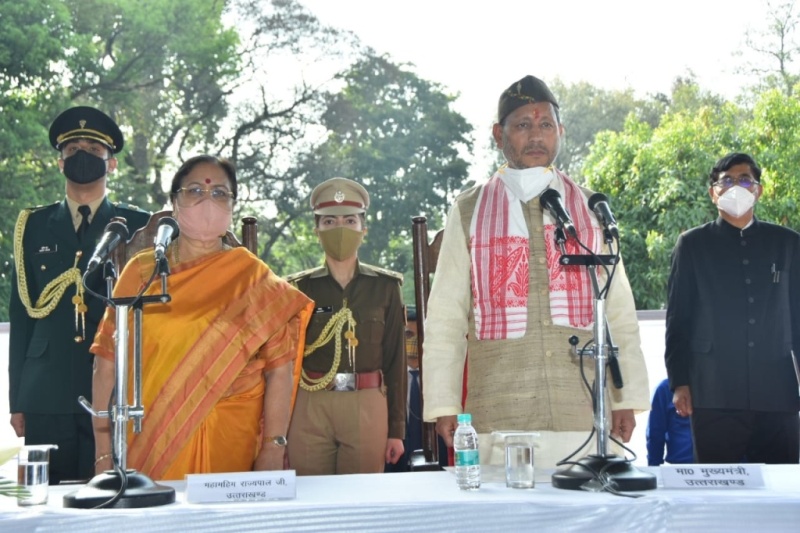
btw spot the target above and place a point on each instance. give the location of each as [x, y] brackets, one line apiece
[334, 432]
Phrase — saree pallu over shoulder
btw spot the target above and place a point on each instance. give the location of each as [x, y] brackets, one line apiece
[224, 308]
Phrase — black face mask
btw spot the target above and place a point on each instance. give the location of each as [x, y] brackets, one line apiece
[83, 167]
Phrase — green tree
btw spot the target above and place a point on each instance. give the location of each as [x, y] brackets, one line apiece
[586, 110]
[658, 177]
[657, 180]
[398, 135]
[773, 138]
[30, 52]
[175, 76]
[161, 68]
[775, 49]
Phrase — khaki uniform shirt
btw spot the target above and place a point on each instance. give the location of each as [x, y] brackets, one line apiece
[375, 299]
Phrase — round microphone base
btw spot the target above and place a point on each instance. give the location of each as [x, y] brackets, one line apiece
[140, 492]
[617, 473]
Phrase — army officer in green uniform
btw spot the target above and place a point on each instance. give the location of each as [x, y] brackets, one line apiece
[350, 413]
[53, 321]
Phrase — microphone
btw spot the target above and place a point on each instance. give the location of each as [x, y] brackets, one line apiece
[598, 202]
[616, 374]
[115, 233]
[551, 200]
[167, 230]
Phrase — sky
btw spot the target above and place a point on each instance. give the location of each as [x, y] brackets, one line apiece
[478, 48]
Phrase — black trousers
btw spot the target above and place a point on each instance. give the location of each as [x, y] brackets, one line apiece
[74, 459]
[735, 436]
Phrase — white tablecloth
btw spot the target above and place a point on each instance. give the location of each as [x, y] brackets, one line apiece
[430, 501]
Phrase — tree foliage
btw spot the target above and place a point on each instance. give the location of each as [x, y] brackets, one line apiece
[586, 110]
[658, 178]
[292, 103]
[174, 74]
[775, 47]
[30, 52]
[251, 80]
[397, 135]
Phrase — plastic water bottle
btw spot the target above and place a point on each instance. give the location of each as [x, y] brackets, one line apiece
[468, 464]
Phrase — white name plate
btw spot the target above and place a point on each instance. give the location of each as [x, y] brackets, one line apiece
[709, 476]
[241, 486]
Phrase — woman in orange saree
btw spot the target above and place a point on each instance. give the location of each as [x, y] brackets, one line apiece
[218, 360]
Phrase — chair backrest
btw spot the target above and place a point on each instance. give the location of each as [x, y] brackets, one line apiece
[426, 255]
[143, 238]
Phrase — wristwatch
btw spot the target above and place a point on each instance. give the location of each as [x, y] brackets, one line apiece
[278, 440]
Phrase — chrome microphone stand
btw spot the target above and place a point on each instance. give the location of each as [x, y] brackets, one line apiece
[123, 487]
[603, 470]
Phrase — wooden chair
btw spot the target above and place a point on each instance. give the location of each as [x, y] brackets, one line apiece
[143, 238]
[426, 255]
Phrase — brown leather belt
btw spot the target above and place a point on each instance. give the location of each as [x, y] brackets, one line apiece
[351, 382]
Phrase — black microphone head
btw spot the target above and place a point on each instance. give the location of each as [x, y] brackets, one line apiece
[596, 198]
[118, 228]
[550, 200]
[171, 222]
[115, 233]
[548, 197]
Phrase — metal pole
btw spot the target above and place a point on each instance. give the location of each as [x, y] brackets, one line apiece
[137, 409]
[120, 410]
[601, 358]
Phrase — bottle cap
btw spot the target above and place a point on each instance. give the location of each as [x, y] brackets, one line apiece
[465, 418]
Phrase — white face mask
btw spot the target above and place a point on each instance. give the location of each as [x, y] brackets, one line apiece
[527, 183]
[736, 201]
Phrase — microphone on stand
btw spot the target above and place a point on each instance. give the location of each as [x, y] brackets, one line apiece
[598, 202]
[551, 200]
[167, 231]
[115, 233]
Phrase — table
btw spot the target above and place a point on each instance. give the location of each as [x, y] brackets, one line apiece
[430, 501]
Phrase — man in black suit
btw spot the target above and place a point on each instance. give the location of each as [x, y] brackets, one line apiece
[733, 326]
[53, 320]
[413, 438]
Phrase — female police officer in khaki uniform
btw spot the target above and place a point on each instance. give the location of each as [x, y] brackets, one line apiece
[350, 411]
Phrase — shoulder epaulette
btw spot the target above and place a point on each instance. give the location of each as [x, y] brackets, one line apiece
[385, 272]
[291, 278]
[131, 207]
[40, 207]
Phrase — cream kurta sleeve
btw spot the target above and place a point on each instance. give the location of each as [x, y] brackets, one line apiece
[624, 327]
[446, 325]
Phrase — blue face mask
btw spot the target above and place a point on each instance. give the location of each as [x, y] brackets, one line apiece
[83, 167]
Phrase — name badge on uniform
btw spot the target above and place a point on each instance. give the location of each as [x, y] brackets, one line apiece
[324, 309]
[48, 249]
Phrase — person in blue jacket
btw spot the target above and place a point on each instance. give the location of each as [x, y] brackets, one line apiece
[665, 428]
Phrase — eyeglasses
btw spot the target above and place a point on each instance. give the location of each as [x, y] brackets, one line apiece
[726, 182]
[189, 196]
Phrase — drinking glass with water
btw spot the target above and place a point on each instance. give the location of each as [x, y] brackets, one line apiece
[33, 472]
[519, 460]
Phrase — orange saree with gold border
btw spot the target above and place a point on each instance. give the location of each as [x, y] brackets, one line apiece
[203, 357]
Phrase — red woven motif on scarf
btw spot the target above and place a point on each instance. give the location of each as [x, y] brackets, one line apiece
[508, 276]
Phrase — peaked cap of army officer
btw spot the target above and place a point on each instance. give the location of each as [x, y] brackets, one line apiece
[84, 122]
[339, 196]
[528, 90]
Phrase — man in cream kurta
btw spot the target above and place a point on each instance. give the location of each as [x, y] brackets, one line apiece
[531, 382]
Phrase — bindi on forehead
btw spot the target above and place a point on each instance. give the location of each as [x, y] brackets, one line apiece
[208, 181]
